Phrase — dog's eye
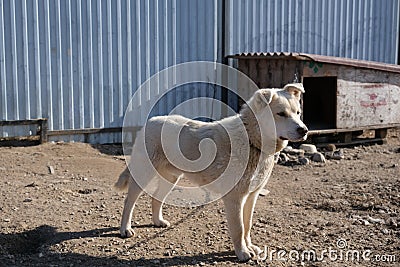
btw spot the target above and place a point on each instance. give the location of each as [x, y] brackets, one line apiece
[282, 114]
[298, 112]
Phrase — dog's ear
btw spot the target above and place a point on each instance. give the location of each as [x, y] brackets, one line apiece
[295, 89]
[261, 98]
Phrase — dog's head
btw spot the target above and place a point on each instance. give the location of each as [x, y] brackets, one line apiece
[286, 111]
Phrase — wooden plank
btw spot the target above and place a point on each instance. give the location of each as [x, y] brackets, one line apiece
[21, 122]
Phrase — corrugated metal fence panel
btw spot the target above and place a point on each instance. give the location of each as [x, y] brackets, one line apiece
[77, 62]
[357, 29]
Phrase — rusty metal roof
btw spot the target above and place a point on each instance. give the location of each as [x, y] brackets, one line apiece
[319, 58]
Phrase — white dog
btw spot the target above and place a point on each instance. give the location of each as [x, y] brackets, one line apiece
[251, 146]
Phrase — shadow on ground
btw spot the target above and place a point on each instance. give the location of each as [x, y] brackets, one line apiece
[32, 248]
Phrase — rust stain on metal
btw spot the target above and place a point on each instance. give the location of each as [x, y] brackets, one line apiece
[374, 85]
[373, 96]
[372, 104]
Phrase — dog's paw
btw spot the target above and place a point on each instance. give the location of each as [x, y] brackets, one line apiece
[127, 232]
[256, 250]
[162, 223]
[244, 255]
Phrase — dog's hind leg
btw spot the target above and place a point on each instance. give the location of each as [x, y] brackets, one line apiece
[166, 184]
[134, 192]
[248, 221]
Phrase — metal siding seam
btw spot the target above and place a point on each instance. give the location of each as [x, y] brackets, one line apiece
[367, 19]
[26, 61]
[305, 29]
[60, 125]
[255, 28]
[174, 42]
[283, 31]
[392, 33]
[3, 78]
[90, 65]
[14, 56]
[48, 66]
[229, 34]
[100, 66]
[38, 83]
[354, 35]
[335, 28]
[129, 47]
[138, 59]
[110, 69]
[119, 54]
[360, 30]
[370, 41]
[216, 27]
[80, 66]
[70, 68]
[156, 66]
[237, 42]
[259, 13]
[324, 36]
[286, 36]
[383, 32]
[291, 25]
[396, 32]
[147, 49]
[163, 45]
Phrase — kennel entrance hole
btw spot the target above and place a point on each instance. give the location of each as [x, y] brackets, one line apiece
[319, 102]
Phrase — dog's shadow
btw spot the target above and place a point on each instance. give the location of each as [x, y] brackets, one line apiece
[25, 247]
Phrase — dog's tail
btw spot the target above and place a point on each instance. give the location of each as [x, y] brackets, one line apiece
[123, 180]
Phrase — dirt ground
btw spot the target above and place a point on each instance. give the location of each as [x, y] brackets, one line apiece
[58, 208]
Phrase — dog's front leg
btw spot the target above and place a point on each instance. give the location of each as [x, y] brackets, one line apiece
[234, 214]
[248, 221]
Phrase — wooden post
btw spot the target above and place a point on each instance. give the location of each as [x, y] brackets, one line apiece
[381, 133]
[42, 131]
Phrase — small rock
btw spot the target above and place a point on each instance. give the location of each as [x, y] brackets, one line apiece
[385, 231]
[392, 222]
[375, 220]
[304, 161]
[318, 157]
[167, 253]
[330, 147]
[40, 255]
[308, 148]
[365, 222]
[296, 152]
[27, 199]
[6, 220]
[283, 158]
[264, 192]
[338, 154]
[31, 185]
[287, 148]
[51, 169]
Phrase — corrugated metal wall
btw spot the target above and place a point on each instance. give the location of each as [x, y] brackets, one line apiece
[356, 29]
[77, 62]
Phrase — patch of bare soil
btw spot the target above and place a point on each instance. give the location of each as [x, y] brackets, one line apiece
[58, 208]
